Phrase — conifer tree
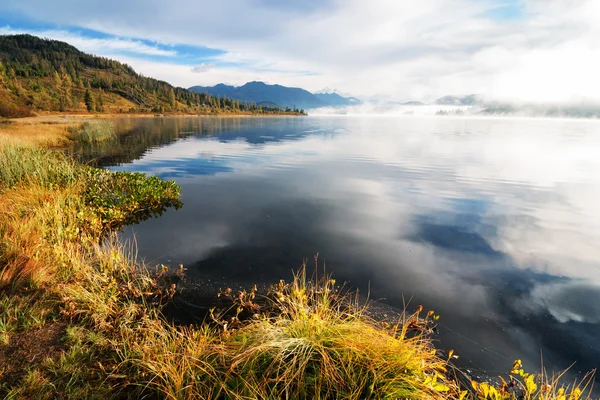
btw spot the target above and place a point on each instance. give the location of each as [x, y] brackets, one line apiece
[89, 102]
[100, 104]
[172, 100]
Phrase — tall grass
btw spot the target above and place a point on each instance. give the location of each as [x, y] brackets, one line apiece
[34, 166]
[311, 344]
[323, 345]
[94, 131]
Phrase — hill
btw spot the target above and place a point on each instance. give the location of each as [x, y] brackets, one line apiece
[260, 92]
[48, 75]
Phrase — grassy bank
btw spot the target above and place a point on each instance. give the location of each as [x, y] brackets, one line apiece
[44, 132]
[80, 317]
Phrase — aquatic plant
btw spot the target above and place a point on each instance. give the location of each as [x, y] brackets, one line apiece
[125, 198]
[93, 131]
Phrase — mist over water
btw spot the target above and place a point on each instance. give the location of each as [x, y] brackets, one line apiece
[370, 109]
[494, 223]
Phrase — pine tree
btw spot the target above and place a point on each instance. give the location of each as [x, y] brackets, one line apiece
[56, 81]
[89, 102]
[100, 104]
[172, 100]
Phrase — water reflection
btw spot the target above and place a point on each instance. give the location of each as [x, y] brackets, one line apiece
[493, 223]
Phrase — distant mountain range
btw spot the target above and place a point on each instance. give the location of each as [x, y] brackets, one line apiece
[263, 94]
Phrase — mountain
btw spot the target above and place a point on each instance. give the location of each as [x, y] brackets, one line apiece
[48, 75]
[220, 90]
[283, 96]
[413, 103]
[469, 100]
[335, 100]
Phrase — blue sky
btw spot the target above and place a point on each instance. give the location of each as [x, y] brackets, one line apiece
[544, 50]
[130, 46]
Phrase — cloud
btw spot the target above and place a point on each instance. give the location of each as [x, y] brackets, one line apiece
[530, 50]
[567, 302]
[95, 45]
[202, 68]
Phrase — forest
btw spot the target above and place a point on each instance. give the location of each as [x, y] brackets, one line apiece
[48, 75]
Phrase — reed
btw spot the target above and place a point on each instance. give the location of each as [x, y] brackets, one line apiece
[95, 131]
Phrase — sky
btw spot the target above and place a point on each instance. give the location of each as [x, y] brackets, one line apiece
[545, 51]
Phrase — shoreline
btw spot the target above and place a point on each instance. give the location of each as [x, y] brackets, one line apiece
[52, 129]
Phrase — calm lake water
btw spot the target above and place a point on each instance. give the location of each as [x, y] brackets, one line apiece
[493, 223]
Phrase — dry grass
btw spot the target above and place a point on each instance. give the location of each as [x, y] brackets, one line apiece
[54, 130]
[34, 134]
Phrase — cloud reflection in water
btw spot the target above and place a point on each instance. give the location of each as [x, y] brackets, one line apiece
[491, 222]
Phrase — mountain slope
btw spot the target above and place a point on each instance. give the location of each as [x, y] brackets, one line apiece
[48, 75]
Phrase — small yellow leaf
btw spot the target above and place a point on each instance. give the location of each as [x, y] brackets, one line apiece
[440, 387]
[530, 384]
[485, 389]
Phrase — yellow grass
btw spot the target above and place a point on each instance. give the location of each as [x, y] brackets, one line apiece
[34, 134]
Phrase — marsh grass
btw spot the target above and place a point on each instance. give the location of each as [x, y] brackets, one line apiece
[35, 166]
[93, 131]
[28, 134]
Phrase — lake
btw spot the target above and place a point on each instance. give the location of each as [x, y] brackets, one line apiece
[492, 222]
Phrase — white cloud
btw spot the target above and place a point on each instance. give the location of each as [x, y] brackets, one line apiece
[202, 67]
[94, 45]
[566, 301]
[388, 48]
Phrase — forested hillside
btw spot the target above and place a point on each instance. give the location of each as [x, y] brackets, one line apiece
[48, 75]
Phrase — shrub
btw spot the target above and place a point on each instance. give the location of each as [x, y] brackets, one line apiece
[7, 111]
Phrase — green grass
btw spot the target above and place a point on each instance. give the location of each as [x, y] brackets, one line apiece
[30, 165]
[94, 131]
